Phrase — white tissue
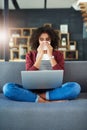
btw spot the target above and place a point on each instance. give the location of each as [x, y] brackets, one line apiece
[45, 47]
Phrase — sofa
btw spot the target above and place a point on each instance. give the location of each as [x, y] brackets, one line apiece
[69, 115]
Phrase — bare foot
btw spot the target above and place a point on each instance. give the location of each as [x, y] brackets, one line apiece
[43, 95]
[41, 100]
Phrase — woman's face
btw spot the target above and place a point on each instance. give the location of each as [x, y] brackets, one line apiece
[44, 38]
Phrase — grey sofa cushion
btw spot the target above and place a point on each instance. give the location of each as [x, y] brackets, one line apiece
[69, 115]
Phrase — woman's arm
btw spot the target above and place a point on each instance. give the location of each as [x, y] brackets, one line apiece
[33, 62]
[30, 59]
[56, 58]
[39, 56]
[59, 60]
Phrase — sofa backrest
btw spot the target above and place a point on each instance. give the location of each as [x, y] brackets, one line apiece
[10, 72]
[74, 71]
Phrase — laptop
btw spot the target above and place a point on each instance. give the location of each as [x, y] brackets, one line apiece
[45, 79]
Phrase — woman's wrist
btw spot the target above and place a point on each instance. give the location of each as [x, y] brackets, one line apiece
[52, 60]
[51, 57]
[38, 61]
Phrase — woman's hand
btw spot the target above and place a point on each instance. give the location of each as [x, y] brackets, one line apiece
[49, 49]
[40, 51]
[39, 56]
[50, 53]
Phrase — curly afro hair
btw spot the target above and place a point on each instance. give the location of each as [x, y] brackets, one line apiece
[34, 39]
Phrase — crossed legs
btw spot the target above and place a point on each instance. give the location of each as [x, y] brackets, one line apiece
[69, 90]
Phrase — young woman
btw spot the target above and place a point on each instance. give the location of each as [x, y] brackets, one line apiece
[44, 54]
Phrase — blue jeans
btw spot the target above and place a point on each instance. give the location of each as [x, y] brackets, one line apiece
[69, 90]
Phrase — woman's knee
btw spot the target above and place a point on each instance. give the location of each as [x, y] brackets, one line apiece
[76, 89]
[7, 89]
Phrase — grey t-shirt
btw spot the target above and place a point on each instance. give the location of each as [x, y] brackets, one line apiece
[45, 63]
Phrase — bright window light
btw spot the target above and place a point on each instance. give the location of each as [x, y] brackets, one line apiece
[3, 36]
